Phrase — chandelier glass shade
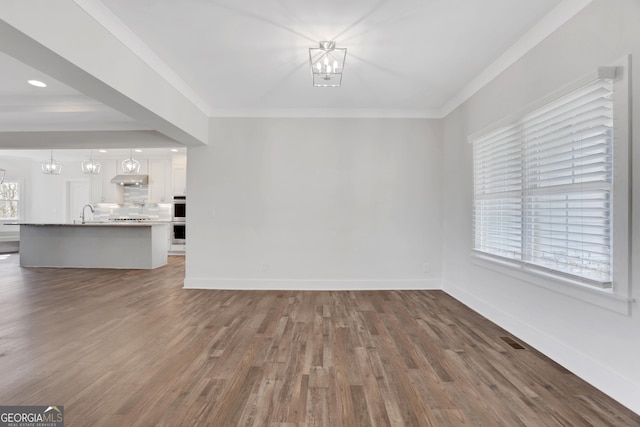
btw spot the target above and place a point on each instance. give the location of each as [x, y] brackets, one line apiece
[51, 167]
[327, 63]
[130, 165]
[90, 166]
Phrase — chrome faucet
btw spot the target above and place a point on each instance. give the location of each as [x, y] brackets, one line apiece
[83, 208]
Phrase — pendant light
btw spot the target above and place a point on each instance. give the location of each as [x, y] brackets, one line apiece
[130, 165]
[90, 166]
[51, 167]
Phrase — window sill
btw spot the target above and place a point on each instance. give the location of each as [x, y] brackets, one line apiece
[603, 298]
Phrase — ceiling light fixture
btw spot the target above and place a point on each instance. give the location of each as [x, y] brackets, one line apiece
[37, 83]
[327, 63]
[51, 167]
[174, 150]
[130, 165]
[90, 166]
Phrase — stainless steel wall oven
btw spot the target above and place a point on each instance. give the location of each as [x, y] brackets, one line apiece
[178, 220]
[178, 233]
[179, 209]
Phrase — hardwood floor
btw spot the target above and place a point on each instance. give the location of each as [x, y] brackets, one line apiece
[132, 348]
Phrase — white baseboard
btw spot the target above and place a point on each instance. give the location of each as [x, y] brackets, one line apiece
[313, 284]
[602, 377]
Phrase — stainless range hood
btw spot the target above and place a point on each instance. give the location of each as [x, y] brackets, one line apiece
[130, 179]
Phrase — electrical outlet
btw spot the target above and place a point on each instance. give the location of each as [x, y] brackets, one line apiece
[264, 267]
[426, 267]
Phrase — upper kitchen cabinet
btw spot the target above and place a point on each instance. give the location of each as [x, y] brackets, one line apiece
[160, 182]
[179, 172]
[102, 190]
[112, 194]
[97, 187]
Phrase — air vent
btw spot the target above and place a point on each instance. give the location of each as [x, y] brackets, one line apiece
[512, 343]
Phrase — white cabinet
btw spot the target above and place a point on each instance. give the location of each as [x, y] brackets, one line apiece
[160, 188]
[179, 173]
[102, 190]
[167, 177]
[97, 187]
[111, 193]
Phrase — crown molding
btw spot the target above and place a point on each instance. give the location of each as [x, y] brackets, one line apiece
[550, 23]
[372, 113]
[107, 19]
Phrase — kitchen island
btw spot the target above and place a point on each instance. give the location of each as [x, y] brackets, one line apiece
[94, 245]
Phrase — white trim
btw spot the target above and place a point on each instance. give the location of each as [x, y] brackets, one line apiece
[615, 385]
[599, 297]
[107, 19]
[312, 284]
[550, 23]
[327, 113]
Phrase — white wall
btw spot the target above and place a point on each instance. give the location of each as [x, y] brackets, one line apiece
[599, 345]
[315, 204]
[48, 196]
[44, 196]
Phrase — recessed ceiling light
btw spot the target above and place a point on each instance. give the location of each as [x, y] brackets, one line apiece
[175, 150]
[102, 151]
[137, 150]
[36, 83]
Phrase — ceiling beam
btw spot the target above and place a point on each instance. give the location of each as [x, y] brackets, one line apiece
[85, 139]
[60, 39]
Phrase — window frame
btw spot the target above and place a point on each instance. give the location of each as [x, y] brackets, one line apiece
[20, 183]
[617, 297]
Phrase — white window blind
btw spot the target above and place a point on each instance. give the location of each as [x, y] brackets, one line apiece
[543, 187]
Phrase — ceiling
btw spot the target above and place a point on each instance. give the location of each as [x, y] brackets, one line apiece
[250, 57]
[405, 58]
[57, 107]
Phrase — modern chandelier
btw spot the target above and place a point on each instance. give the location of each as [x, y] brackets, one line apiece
[90, 166]
[51, 167]
[130, 165]
[327, 63]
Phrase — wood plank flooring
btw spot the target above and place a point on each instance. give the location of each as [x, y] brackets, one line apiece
[132, 348]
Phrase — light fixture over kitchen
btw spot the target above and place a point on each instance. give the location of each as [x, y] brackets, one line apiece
[90, 166]
[130, 165]
[51, 167]
[327, 63]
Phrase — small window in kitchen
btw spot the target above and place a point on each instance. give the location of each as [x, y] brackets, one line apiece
[10, 190]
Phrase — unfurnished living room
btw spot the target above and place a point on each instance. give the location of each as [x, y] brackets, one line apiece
[285, 213]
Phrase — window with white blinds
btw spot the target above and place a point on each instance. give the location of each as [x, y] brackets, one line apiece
[543, 187]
